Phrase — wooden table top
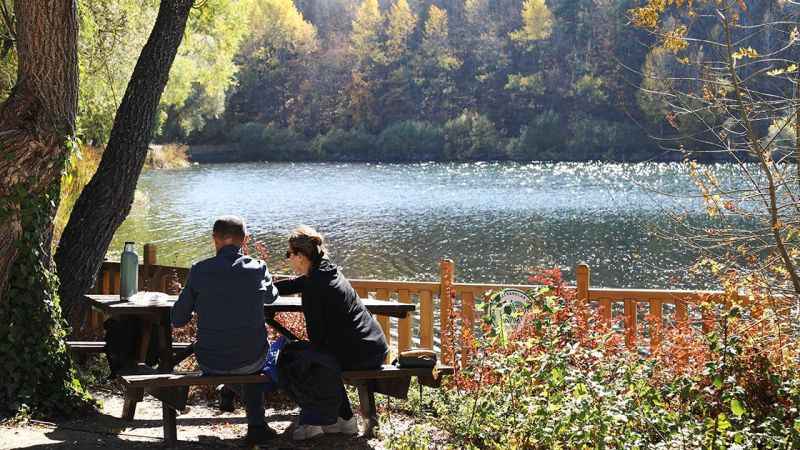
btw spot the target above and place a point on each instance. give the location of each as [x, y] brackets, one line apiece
[158, 302]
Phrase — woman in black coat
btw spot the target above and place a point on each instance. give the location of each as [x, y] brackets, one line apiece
[337, 322]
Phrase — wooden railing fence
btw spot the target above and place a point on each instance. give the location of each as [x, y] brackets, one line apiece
[448, 305]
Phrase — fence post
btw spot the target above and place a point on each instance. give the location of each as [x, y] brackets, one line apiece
[582, 274]
[447, 274]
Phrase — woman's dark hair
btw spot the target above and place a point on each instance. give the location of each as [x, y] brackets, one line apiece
[306, 241]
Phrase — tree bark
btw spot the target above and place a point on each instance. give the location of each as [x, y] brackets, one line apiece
[37, 122]
[37, 118]
[106, 200]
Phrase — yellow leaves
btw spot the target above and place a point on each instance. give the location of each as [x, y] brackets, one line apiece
[709, 185]
[748, 52]
[537, 22]
[648, 15]
[791, 68]
[400, 26]
[675, 40]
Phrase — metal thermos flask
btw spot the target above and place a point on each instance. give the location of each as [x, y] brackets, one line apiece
[129, 272]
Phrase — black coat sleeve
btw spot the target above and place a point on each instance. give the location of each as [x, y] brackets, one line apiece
[291, 286]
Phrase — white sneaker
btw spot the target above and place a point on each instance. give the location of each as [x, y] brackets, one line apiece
[349, 427]
[304, 432]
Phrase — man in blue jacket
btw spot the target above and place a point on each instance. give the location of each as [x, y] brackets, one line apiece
[228, 293]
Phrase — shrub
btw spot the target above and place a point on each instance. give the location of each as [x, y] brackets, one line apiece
[249, 137]
[258, 142]
[593, 138]
[343, 145]
[284, 144]
[564, 379]
[471, 136]
[543, 139]
[409, 140]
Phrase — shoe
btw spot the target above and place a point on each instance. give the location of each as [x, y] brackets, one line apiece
[259, 435]
[304, 432]
[348, 427]
[226, 397]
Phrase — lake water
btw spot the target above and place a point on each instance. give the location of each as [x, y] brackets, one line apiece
[497, 221]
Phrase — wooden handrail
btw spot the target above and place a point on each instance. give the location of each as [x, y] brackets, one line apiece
[458, 300]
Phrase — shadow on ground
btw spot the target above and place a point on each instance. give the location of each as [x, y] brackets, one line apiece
[202, 427]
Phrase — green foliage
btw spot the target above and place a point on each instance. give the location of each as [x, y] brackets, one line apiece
[542, 139]
[592, 137]
[258, 142]
[37, 373]
[471, 136]
[112, 34]
[342, 145]
[284, 144]
[563, 382]
[410, 141]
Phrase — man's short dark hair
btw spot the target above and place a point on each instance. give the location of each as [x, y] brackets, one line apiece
[229, 227]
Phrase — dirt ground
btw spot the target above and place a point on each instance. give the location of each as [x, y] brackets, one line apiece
[202, 427]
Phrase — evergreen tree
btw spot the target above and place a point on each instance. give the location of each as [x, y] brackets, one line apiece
[436, 65]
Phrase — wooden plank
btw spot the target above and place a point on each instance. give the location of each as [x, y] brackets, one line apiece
[115, 287]
[106, 289]
[404, 325]
[198, 379]
[426, 319]
[665, 295]
[468, 326]
[362, 293]
[708, 318]
[383, 294]
[681, 312]
[656, 312]
[605, 310]
[156, 302]
[630, 323]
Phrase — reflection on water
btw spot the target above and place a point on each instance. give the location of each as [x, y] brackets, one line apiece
[498, 221]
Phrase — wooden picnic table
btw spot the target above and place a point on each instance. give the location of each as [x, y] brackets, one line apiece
[155, 308]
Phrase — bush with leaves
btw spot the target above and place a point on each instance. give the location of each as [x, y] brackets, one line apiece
[562, 378]
[471, 136]
[343, 145]
[409, 140]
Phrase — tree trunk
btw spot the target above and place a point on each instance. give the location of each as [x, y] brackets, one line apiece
[38, 116]
[36, 125]
[106, 201]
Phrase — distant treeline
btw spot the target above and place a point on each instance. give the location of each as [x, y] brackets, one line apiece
[401, 80]
[433, 80]
[468, 137]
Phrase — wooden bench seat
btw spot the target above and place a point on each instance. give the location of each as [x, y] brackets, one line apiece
[172, 390]
[86, 347]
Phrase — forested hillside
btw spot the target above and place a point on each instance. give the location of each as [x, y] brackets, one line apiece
[406, 80]
[454, 80]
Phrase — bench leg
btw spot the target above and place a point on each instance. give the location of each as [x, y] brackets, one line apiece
[132, 397]
[170, 425]
[366, 400]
